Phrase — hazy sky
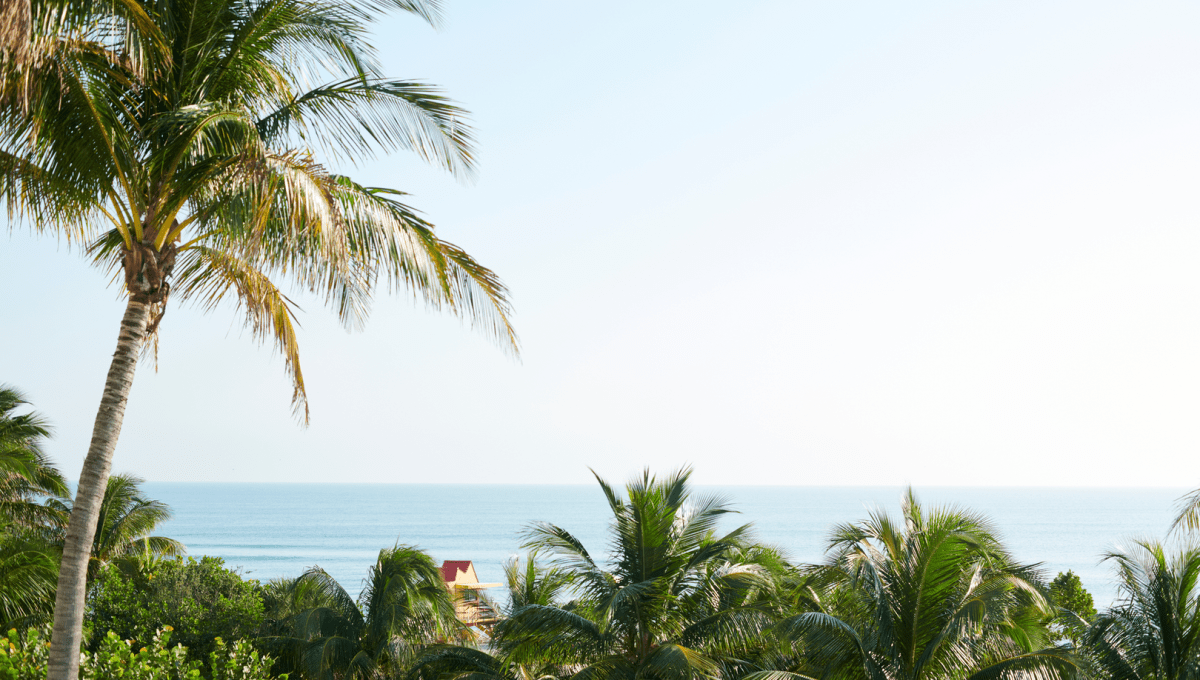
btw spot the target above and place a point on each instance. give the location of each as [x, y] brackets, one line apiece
[788, 242]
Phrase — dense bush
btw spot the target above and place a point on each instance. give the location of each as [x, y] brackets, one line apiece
[24, 657]
[200, 599]
[1075, 607]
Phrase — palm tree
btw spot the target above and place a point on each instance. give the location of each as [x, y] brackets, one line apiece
[28, 564]
[179, 137]
[127, 519]
[672, 602]
[533, 583]
[26, 475]
[316, 628]
[932, 596]
[27, 573]
[1153, 632]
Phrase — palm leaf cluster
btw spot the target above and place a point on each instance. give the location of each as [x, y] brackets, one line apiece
[1153, 632]
[127, 519]
[932, 594]
[672, 601]
[26, 474]
[317, 629]
[27, 560]
[181, 139]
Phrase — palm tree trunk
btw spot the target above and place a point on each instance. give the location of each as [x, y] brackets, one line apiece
[81, 529]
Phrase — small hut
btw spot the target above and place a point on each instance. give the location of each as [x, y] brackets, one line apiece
[465, 588]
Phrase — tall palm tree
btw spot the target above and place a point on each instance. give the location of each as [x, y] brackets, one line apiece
[315, 628]
[929, 597]
[1153, 632]
[180, 138]
[669, 603]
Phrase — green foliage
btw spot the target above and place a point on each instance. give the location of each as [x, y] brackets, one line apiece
[533, 583]
[190, 162]
[1075, 606]
[25, 472]
[200, 599]
[127, 518]
[674, 599]
[1067, 592]
[1153, 633]
[34, 506]
[931, 596]
[28, 570]
[24, 657]
[126, 659]
[28, 559]
[239, 661]
[314, 626]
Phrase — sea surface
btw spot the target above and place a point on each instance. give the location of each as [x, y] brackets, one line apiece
[279, 530]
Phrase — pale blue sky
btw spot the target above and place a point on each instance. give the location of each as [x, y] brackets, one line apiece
[787, 242]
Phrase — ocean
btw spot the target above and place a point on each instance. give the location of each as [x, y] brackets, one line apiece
[279, 530]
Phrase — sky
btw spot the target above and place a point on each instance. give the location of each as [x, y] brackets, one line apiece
[797, 243]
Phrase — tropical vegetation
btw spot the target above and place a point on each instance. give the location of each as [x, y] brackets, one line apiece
[317, 630]
[34, 506]
[26, 474]
[127, 518]
[1074, 607]
[183, 145]
[930, 595]
[675, 598]
[201, 600]
[1153, 632]
[181, 141]
[28, 566]
[26, 657]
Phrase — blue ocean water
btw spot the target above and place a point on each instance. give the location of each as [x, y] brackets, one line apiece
[274, 530]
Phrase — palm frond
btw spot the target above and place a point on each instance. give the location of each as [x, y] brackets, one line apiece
[355, 116]
[208, 275]
[1187, 517]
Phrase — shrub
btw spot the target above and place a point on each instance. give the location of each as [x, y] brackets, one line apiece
[24, 657]
[201, 601]
[1067, 593]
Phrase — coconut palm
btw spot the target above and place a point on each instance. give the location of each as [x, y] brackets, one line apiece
[28, 568]
[180, 138]
[314, 627]
[28, 564]
[934, 595]
[533, 583]
[127, 518]
[26, 476]
[1153, 632]
[28, 561]
[669, 603]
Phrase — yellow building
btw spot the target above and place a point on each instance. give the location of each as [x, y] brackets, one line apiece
[465, 588]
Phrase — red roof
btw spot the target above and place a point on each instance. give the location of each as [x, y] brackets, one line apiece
[450, 569]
